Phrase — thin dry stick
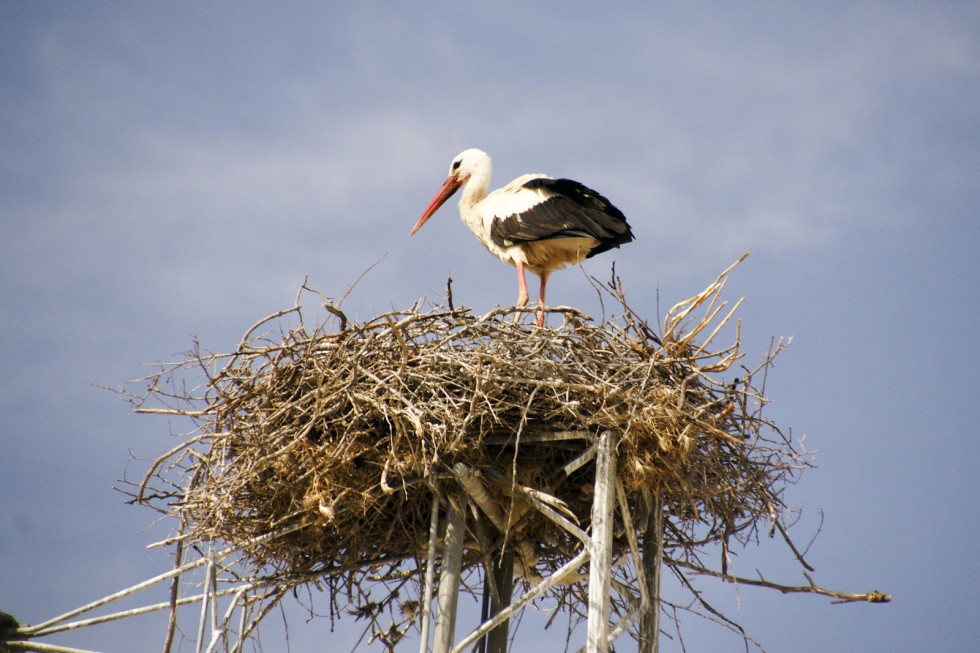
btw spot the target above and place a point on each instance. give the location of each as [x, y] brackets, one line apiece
[40, 628]
[873, 596]
[15, 645]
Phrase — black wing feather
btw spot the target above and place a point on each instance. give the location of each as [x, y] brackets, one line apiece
[573, 210]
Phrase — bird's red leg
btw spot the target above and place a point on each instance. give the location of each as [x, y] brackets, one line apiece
[522, 296]
[544, 283]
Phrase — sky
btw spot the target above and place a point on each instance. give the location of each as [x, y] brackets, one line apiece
[171, 171]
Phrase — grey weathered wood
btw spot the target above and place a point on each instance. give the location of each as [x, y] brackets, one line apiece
[449, 578]
[600, 566]
[430, 572]
[653, 556]
[472, 482]
[567, 570]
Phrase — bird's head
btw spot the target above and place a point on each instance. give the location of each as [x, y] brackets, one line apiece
[461, 169]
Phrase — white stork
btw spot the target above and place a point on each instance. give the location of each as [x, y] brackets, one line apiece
[534, 222]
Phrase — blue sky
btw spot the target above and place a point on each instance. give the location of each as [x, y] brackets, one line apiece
[177, 170]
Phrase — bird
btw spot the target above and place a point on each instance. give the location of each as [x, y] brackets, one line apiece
[535, 222]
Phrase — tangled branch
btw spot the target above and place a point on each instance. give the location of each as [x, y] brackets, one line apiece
[341, 428]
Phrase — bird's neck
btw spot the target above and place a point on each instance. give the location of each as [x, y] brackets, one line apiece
[476, 187]
[474, 192]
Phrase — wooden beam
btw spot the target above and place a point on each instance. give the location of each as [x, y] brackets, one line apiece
[653, 556]
[570, 568]
[503, 576]
[600, 566]
[430, 572]
[449, 577]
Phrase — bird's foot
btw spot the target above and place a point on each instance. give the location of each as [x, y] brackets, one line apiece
[540, 319]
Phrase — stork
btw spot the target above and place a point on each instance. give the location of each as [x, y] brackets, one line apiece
[535, 222]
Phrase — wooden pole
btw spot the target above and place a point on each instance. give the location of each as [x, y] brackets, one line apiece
[600, 566]
[568, 570]
[503, 576]
[449, 578]
[430, 572]
[653, 556]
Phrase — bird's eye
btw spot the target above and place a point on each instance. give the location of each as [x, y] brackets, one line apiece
[456, 165]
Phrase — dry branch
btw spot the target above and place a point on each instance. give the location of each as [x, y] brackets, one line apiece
[339, 429]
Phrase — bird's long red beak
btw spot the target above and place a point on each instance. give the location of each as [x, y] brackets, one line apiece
[450, 186]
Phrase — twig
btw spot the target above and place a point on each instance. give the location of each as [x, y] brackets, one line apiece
[39, 628]
[812, 588]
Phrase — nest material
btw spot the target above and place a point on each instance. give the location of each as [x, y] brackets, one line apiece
[348, 428]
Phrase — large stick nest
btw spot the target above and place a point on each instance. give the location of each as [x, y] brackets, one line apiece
[349, 428]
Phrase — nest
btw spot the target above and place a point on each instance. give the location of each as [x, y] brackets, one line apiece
[344, 431]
